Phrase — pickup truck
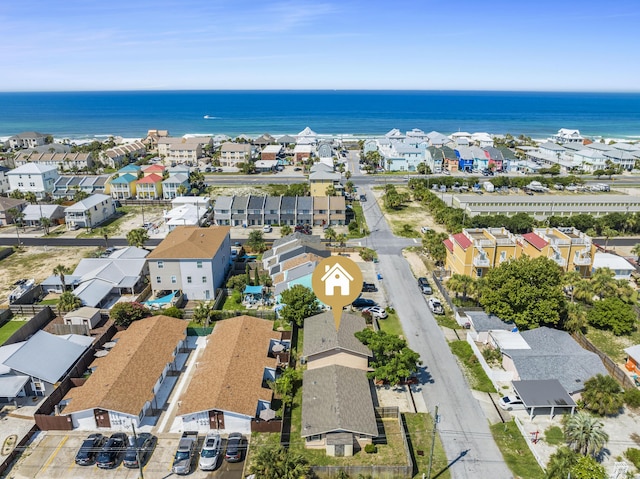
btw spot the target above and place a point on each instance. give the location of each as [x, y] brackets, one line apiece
[184, 455]
[435, 306]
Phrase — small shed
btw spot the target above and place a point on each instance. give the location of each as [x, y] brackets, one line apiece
[83, 316]
[543, 393]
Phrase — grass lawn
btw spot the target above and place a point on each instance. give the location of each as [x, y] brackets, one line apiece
[515, 451]
[613, 346]
[476, 376]
[554, 436]
[362, 230]
[391, 325]
[420, 427]
[446, 320]
[49, 301]
[9, 328]
[231, 304]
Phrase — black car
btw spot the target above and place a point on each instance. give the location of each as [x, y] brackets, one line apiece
[369, 287]
[110, 452]
[235, 444]
[90, 446]
[138, 449]
[363, 303]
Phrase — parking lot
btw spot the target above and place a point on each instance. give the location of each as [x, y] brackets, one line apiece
[52, 456]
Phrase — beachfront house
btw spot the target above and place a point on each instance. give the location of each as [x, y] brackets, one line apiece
[183, 150]
[192, 259]
[231, 154]
[89, 212]
[33, 178]
[122, 154]
[123, 187]
[149, 187]
[28, 139]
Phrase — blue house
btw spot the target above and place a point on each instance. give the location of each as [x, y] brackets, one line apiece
[465, 158]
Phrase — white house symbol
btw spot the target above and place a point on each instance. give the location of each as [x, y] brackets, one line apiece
[336, 276]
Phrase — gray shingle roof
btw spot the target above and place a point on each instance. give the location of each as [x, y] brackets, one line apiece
[337, 398]
[320, 334]
[487, 322]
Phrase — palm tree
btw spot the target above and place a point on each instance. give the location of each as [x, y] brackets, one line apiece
[61, 270]
[285, 230]
[105, 234]
[576, 317]
[330, 234]
[602, 394]
[68, 302]
[46, 224]
[17, 216]
[137, 237]
[182, 190]
[276, 462]
[603, 282]
[30, 196]
[347, 174]
[560, 463]
[636, 250]
[202, 313]
[583, 291]
[461, 283]
[585, 434]
[608, 233]
[569, 280]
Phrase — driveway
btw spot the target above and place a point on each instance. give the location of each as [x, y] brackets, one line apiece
[463, 426]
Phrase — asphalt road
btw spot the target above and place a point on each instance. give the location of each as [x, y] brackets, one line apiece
[464, 429]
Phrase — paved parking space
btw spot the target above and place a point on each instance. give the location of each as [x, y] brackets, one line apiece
[52, 456]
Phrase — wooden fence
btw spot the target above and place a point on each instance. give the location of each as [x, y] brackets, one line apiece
[41, 318]
[266, 426]
[613, 369]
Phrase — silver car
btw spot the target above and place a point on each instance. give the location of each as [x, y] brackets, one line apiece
[210, 453]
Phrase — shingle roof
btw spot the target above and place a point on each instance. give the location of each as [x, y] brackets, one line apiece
[191, 242]
[124, 379]
[320, 334]
[337, 398]
[231, 368]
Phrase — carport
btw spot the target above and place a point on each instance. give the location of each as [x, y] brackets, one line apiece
[547, 393]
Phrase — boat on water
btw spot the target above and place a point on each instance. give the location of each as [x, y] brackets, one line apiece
[22, 287]
[209, 117]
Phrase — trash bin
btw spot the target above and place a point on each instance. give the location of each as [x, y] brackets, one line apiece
[379, 276]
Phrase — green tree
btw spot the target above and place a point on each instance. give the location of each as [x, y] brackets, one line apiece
[526, 291]
[330, 234]
[588, 468]
[60, 271]
[16, 216]
[393, 361]
[300, 303]
[285, 230]
[585, 434]
[68, 302]
[46, 224]
[286, 385]
[331, 191]
[461, 283]
[173, 311]
[276, 462]
[237, 282]
[602, 395]
[576, 319]
[123, 314]
[30, 196]
[256, 241]
[636, 250]
[603, 283]
[137, 237]
[202, 313]
[561, 462]
[612, 314]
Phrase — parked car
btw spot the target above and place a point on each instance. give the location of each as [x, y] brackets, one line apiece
[207, 169]
[139, 449]
[376, 311]
[360, 303]
[185, 452]
[267, 229]
[369, 287]
[297, 169]
[235, 444]
[435, 306]
[510, 403]
[210, 453]
[424, 285]
[111, 451]
[90, 447]
[424, 229]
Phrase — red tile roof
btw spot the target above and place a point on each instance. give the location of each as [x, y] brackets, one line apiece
[462, 240]
[152, 178]
[448, 244]
[152, 168]
[535, 240]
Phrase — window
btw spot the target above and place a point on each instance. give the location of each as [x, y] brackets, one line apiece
[173, 280]
[204, 279]
[189, 279]
[20, 184]
[158, 279]
[199, 264]
[479, 272]
[160, 264]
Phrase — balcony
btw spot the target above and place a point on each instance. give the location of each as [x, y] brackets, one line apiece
[582, 260]
[481, 261]
[560, 261]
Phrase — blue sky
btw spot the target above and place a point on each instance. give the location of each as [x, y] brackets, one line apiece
[345, 44]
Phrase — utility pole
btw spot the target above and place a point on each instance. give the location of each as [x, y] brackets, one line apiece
[436, 420]
[135, 439]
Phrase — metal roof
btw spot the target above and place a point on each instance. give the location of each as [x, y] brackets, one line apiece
[543, 393]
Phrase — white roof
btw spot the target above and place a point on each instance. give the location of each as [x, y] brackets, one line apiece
[190, 200]
[84, 312]
[272, 149]
[87, 203]
[633, 351]
[266, 163]
[35, 212]
[33, 169]
[307, 132]
[611, 261]
[508, 340]
[130, 252]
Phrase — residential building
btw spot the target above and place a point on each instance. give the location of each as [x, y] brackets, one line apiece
[183, 150]
[33, 178]
[123, 387]
[7, 204]
[239, 210]
[571, 249]
[123, 187]
[149, 187]
[321, 180]
[255, 210]
[231, 154]
[302, 152]
[288, 210]
[542, 207]
[465, 158]
[34, 214]
[175, 185]
[122, 154]
[474, 251]
[67, 186]
[185, 215]
[194, 260]
[565, 135]
[272, 210]
[34, 367]
[271, 152]
[307, 137]
[222, 211]
[621, 268]
[27, 139]
[229, 388]
[62, 161]
[437, 139]
[325, 150]
[4, 180]
[90, 212]
[263, 141]
[304, 210]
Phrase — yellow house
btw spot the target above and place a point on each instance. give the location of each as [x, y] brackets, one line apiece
[321, 178]
[149, 187]
[474, 251]
[123, 187]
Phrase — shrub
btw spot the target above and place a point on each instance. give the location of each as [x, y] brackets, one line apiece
[123, 314]
[633, 455]
[174, 312]
[492, 355]
[367, 317]
[372, 449]
[632, 398]
[367, 254]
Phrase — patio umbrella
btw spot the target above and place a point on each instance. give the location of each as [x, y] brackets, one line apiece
[267, 414]
[278, 348]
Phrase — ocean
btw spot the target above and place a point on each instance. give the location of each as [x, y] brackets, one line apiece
[79, 115]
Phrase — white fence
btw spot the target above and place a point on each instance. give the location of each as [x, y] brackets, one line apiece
[527, 439]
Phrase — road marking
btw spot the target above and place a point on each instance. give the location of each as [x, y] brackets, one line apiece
[53, 455]
[415, 240]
